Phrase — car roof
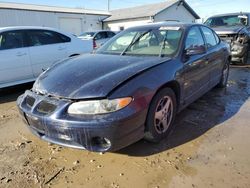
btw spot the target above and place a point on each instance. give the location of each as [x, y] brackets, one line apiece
[26, 27]
[97, 31]
[12, 28]
[165, 24]
[231, 14]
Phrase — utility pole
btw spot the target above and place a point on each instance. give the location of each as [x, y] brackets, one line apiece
[108, 5]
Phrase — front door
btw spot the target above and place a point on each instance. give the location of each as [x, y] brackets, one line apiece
[196, 67]
[14, 59]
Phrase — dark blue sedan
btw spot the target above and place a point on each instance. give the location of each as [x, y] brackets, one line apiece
[130, 89]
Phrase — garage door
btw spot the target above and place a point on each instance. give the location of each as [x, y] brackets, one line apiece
[71, 25]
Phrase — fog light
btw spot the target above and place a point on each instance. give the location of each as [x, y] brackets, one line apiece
[101, 144]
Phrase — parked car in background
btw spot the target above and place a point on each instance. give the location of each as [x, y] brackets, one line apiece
[130, 89]
[235, 30]
[98, 38]
[25, 52]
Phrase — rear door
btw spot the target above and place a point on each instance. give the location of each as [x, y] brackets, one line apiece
[14, 58]
[215, 55]
[46, 48]
[196, 68]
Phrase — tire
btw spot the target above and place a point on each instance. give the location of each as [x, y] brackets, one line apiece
[224, 76]
[244, 59]
[163, 105]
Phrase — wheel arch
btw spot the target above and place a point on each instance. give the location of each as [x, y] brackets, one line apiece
[175, 86]
[73, 55]
[229, 58]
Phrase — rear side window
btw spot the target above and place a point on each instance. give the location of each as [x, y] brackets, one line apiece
[110, 34]
[44, 37]
[101, 35]
[11, 40]
[63, 37]
[194, 38]
[209, 36]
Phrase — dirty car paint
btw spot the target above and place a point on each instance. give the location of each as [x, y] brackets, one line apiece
[102, 76]
[93, 75]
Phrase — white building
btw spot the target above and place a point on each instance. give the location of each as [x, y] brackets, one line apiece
[169, 10]
[78, 20]
[72, 20]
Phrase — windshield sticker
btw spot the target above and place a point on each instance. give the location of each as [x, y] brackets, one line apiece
[242, 16]
[169, 28]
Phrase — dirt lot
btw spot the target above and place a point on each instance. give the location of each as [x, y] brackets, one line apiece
[208, 148]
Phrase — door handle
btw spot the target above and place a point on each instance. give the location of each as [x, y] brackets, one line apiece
[61, 48]
[206, 60]
[19, 54]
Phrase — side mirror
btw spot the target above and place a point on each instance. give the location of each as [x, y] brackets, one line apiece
[195, 50]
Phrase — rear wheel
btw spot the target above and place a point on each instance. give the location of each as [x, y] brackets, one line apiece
[244, 59]
[161, 115]
[224, 76]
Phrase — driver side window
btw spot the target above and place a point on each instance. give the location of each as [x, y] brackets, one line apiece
[194, 39]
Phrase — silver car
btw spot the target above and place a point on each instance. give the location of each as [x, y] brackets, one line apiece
[98, 37]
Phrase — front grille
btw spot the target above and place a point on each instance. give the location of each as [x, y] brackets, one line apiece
[40, 105]
[46, 107]
[228, 38]
[30, 101]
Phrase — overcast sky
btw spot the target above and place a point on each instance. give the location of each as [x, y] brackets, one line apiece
[204, 8]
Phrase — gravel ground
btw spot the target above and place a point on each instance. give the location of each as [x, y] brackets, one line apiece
[209, 147]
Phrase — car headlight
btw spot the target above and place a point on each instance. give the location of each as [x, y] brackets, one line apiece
[98, 106]
[242, 38]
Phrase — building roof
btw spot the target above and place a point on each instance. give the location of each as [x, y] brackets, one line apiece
[147, 10]
[43, 8]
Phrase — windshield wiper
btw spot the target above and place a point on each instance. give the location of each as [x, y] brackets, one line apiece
[237, 24]
[133, 42]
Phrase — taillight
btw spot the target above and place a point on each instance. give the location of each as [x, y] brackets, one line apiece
[94, 44]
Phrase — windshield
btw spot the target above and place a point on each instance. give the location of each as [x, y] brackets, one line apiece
[87, 34]
[163, 41]
[231, 20]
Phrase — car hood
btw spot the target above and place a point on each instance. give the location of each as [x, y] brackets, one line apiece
[91, 75]
[227, 30]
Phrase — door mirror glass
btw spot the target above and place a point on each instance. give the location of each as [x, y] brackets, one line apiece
[195, 50]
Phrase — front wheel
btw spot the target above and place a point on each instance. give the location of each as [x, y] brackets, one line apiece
[161, 115]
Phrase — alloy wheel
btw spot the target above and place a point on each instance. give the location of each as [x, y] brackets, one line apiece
[163, 114]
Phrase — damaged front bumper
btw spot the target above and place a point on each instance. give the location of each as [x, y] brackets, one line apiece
[238, 44]
[48, 119]
[238, 50]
